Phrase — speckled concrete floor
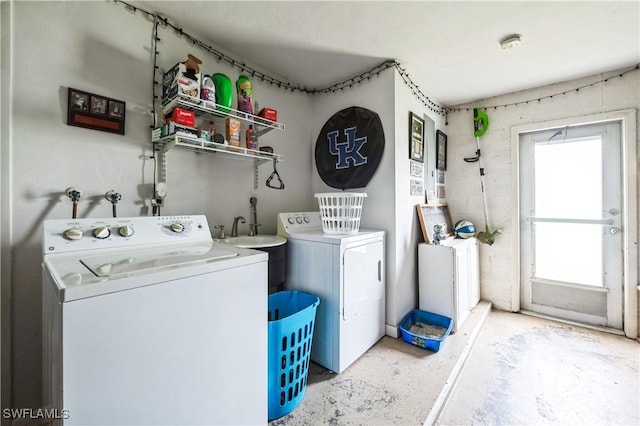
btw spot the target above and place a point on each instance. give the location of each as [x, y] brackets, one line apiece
[520, 370]
[525, 370]
[394, 383]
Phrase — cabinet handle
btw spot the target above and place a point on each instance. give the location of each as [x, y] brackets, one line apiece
[380, 270]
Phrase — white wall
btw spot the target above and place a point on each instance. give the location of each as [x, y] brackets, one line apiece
[407, 227]
[497, 262]
[378, 211]
[389, 205]
[101, 48]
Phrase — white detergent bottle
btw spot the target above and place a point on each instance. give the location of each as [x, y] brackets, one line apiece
[208, 92]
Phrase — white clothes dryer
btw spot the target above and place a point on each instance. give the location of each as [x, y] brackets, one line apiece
[147, 321]
[346, 271]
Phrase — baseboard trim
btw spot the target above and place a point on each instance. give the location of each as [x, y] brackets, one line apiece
[391, 331]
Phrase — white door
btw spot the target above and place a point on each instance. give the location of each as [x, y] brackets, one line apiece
[462, 288]
[363, 282]
[570, 223]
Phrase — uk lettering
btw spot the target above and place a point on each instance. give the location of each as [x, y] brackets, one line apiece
[347, 151]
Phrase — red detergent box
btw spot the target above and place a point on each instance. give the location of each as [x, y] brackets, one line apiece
[269, 114]
[182, 116]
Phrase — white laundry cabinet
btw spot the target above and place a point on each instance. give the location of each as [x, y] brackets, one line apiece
[449, 279]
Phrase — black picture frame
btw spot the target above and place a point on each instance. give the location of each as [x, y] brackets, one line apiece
[95, 112]
[441, 150]
[416, 138]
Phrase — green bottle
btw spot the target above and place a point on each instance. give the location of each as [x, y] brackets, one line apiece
[224, 91]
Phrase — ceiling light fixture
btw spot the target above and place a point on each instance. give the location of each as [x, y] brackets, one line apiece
[510, 41]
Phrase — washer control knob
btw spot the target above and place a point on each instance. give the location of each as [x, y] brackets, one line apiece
[73, 234]
[306, 219]
[291, 220]
[101, 232]
[73, 279]
[105, 269]
[126, 231]
[177, 227]
[299, 220]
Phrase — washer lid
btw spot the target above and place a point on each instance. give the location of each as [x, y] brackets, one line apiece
[113, 270]
[113, 264]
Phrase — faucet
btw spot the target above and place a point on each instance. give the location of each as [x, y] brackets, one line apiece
[253, 229]
[234, 228]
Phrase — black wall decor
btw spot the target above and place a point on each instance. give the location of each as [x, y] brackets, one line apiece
[441, 151]
[416, 137]
[349, 148]
[95, 112]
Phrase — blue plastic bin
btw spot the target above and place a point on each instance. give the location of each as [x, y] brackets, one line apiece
[415, 316]
[292, 316]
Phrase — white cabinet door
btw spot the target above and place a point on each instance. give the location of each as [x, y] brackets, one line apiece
[461, 286]
[474, 274]
[436, 276]
[449, 278]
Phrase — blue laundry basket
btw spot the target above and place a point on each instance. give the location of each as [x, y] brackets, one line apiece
[292, 316]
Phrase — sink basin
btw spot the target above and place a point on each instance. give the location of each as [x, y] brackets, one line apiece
[257, 241]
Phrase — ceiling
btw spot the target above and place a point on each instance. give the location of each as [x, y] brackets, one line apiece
[449, 48]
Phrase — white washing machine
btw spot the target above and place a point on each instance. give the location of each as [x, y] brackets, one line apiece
[347, 272]
[147, 321]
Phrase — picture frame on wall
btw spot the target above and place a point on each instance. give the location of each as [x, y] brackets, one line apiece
[441, 150]
[416, 138]
[95, 112]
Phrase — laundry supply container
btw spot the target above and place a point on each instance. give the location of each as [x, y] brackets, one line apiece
[292, 317]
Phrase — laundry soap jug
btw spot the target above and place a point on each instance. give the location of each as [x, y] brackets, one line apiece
[244, 88]
[251, 138]
[208, 92]
[224, 91]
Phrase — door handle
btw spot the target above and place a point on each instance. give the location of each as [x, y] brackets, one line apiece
[380, 270]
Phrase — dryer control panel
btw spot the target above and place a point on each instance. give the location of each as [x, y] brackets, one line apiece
[68, 235]
[299, 221]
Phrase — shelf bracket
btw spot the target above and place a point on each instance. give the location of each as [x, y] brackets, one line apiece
[256, 163]
[162, 163]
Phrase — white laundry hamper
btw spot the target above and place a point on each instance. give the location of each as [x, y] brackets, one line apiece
[340, 212]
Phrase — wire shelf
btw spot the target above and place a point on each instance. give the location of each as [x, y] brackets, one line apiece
[193, 104]
[203, 145]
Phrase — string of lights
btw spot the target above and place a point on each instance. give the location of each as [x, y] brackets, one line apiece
[426, 101]
[346, 84]
[154, 47]
[541, 98]
[220, 56]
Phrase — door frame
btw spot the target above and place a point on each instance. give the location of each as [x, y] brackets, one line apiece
[627, 118]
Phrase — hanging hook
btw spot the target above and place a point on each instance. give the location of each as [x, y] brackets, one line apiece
[275, 175]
